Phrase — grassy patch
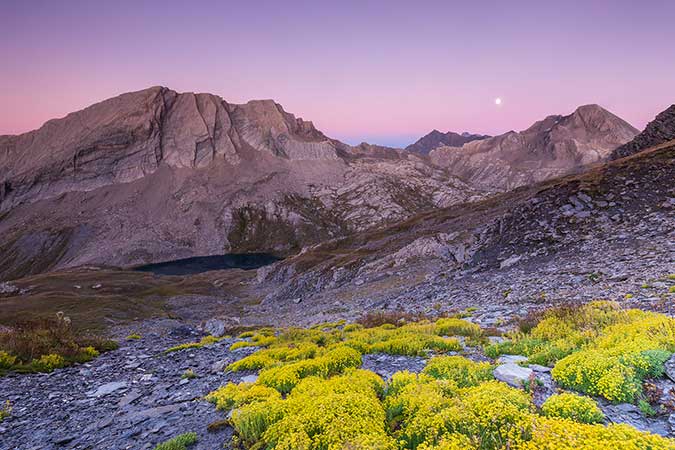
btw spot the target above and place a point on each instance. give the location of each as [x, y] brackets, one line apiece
[180, 442]
[48, 344]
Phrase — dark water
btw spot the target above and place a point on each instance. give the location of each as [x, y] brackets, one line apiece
[199, 264]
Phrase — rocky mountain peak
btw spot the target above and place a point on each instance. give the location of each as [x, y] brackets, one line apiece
[658, 131]
[435, 139]
[554, 146]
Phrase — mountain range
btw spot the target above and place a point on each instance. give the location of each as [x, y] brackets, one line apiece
[157, 175]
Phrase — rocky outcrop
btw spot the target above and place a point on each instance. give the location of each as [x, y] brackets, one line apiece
[436, 139]
[658, 131]
[555, 146]
[585, 217]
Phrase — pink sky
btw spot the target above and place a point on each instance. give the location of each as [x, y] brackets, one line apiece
[384, 72]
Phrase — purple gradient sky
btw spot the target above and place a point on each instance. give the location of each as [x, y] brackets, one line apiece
[386, 72]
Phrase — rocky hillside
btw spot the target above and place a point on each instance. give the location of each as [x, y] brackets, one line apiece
[436, 139]
[555, 146]
[617, 220]
[658, 131]
[157, 175]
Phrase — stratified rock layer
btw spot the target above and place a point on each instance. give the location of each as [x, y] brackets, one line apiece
[658, 131]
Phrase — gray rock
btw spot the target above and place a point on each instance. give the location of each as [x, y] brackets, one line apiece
[538, 368]
[215, 327]
[510, 261]
[107, 388]
[219, 365]
[670, 368]
[8, 288]
[513, 374]
[249, 379]
[511, 359]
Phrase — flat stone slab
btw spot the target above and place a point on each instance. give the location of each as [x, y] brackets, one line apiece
[513, 374]
[107, 388]
[511, 359]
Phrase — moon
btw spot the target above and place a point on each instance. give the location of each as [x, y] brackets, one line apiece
[498, 101]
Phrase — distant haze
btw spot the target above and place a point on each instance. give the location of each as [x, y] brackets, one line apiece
[386, 72]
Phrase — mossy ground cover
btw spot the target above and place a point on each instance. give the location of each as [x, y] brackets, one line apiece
[312, 394]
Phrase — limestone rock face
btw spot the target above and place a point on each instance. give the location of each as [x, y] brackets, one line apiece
[658, 131]
[555, 146]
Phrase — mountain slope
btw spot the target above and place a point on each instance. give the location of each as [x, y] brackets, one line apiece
[618, 216]
[555, 146]
[436, 139]
[658, 131]
[156, 175]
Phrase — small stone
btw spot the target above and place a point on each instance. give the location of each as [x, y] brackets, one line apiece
[249, 379]
[97, 286]
[219, 366]
[215, 327]
[538, 368]
[510, 261]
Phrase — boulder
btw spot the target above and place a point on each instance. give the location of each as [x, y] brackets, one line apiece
[513, 374]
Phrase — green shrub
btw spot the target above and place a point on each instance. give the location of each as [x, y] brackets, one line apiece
[7, 361]
[5, 411]
[47, 363]
[571, 406]
[180, 442]
[47, 344]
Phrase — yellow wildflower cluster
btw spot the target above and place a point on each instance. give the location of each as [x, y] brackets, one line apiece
[572, 406]
[207, 340]
[563, 434]
[310, 394]
[47, 363]
[333, 362]
[6, 360]
[457, 327]
[599, 348]
[462, 371]
[234, 395]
